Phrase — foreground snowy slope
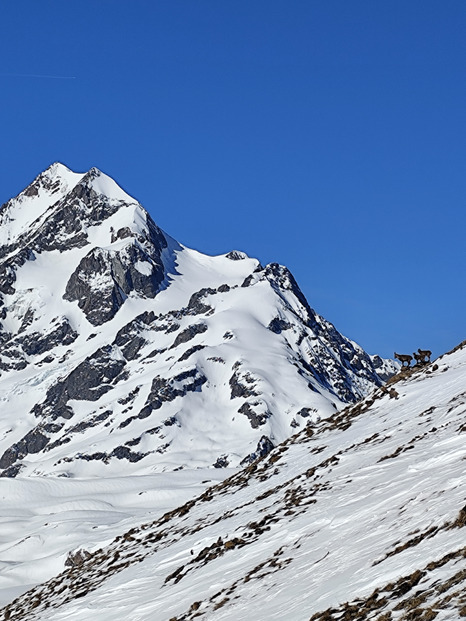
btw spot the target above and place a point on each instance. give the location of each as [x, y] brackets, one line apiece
[360, 516]
[44, 519]
[122, 350]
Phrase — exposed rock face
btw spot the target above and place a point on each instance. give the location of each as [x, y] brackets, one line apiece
[86, 382]
[61, 333]
[196, 305]
[33, 442]
[103, 280]
[242, 385]
[264, 446]
[236, 255]
[36, 343]
[109, 327]
[163, 390]
[256, 419]
[277, 325]
[189, 333]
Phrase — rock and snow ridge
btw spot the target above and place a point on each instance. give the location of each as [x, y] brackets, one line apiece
[122, 350]
[358, 516]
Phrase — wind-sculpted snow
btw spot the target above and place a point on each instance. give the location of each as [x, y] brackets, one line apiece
[359, 516]
[46, 520]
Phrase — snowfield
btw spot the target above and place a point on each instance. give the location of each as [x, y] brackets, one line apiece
[44, 519]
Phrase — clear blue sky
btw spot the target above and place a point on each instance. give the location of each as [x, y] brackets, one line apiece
[328, 136]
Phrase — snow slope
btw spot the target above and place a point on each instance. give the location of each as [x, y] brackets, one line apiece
[44, 519]
[359, 516]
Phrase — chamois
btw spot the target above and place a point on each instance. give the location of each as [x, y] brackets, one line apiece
[418, 357]
[425, 353]
[403, 358]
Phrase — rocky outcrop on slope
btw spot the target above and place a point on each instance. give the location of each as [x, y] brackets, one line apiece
[104, 278]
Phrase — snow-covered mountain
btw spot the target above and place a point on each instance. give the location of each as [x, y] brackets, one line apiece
[124, 351]
[359, 516]
[130, 365]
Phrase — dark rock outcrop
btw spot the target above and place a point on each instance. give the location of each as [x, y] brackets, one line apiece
[189, 333]
[256, 420]
[33, 442]
[163, 390]
[242, 385]
[86, 382]
[37, 343]
[104, 278]
[196, 305]
[277, 325]
[264, 446]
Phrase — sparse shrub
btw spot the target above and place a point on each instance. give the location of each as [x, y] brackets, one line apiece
[416, 600]
[461, 519]
[222, 603]
[413, 615]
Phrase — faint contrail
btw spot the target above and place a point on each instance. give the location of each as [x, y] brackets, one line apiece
[34, 75]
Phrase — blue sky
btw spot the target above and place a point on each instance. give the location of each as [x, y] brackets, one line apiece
[328, 136]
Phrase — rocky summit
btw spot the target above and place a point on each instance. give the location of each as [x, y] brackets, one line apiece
[121, 346]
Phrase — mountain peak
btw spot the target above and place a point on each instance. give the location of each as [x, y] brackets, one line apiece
[94, 171]
[105, 185]
[59, 177]
[57, 169]
[92, 288]
[56, 178]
